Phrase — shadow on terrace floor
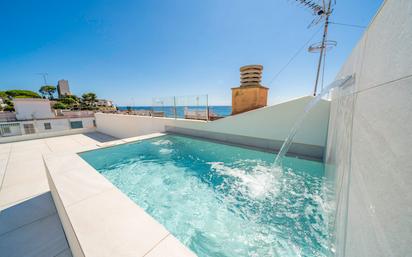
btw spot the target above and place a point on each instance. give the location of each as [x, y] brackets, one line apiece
[32, 228]
[102, 138]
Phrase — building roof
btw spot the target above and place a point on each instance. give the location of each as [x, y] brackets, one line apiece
[30, 100]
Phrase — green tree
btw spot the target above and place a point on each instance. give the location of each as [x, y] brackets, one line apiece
[9, 108]
[3, 95]
[75, 97]
[60, 105]
[21, 94]
[89, 100]
[71, 101]
[68, 100]
[8, 95]
[9, 105]
[48, 90]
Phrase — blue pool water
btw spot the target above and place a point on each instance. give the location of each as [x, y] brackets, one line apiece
[223, 200]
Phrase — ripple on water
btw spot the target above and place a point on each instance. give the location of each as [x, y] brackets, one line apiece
[226, 205]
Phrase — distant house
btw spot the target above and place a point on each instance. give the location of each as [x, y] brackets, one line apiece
[32, 108]
[35, 115]
[104, 103]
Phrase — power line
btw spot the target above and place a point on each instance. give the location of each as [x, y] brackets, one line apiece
[294, 56]
[348, 25]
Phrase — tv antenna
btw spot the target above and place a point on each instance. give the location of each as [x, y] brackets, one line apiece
[44, 75]
[322, 12]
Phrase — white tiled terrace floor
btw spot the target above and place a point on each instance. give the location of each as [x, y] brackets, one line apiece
[29, 224]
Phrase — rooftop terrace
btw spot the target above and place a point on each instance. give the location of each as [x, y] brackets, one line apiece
[44, 181]
[29, 224]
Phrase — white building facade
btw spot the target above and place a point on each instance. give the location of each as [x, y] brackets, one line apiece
[32, 108]
[42, 126]
[104, 102]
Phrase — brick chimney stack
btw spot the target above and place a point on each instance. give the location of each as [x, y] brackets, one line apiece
[250, 94]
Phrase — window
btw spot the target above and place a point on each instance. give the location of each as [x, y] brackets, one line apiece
[10, 129]
[47, 126]
[76, 124]
[94, 123]
[29, 128]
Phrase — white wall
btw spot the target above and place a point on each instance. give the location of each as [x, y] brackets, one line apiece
[58, 127]
[10, 129]
[369, 143]
[268, 124]
[45, 135]
[57, 124]
[7, 116]
[32, 108]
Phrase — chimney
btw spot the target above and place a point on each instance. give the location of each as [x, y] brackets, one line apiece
[250, 94]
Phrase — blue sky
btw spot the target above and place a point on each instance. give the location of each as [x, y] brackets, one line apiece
[132, 51]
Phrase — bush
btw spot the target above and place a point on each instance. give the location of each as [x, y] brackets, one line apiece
[8, 108]
[68, 101]
[8, 102]
[59, 105]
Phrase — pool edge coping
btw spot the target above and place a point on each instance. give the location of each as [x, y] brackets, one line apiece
[74, 183]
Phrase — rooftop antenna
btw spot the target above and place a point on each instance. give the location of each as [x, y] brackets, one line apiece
[44, 75]
[322, 12]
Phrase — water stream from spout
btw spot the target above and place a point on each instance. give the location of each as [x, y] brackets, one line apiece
[289, 139]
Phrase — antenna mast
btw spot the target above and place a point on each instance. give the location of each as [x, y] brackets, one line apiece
[323, 45]
[321, 12]
[44, 75]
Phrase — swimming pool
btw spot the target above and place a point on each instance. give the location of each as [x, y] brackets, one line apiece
[223, 200]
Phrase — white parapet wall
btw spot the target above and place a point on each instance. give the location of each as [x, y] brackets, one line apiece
[265, 127]
[26, 137]
[369, 152]
[44, 128]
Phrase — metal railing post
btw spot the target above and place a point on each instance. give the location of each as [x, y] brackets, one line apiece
[207, 107]
[174, 105]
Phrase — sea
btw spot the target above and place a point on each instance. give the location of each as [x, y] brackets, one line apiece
[219, 110]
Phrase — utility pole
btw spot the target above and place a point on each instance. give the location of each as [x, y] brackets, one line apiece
[322, 46]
